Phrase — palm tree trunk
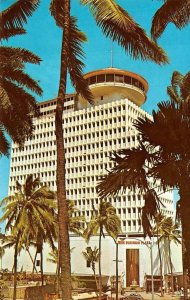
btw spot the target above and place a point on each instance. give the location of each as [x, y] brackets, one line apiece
[32, 260]
[34, 263]
[184, 193]
[160, 259]
[185, 273]
[63, 217]
[116, 273]
[171, 269]
[99, 261]
[15, 268]
[57, 277]
[95, 278]
[41, 267]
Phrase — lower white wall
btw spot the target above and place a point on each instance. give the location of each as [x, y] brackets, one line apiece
[78, 263]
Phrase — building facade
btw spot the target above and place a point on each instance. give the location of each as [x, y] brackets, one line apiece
[91, 134]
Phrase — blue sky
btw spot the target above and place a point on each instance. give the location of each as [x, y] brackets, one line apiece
[44, 39]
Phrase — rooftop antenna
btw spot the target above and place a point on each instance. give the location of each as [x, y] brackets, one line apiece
[111, 54]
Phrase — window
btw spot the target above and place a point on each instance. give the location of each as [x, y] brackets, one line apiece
[101, 78]
[109, 77]
[92, 80]
[118, 78]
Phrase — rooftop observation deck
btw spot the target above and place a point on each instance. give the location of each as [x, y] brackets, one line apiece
[113, 84]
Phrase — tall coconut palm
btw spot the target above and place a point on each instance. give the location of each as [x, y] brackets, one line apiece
[104, 220]
[172, 11]
[17, 103]
[75, 225]
[92, 257]
[28, 212]
[169, 232]
[115, 23]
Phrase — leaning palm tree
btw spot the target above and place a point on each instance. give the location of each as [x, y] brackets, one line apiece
[118, 25]
[169, 232]
[28, 212]
[17, 103]
[104, 220]
[92, 257]
[172, 11]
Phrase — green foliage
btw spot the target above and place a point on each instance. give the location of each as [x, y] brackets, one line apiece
[118, 25]
[91, 256]
[105, 218]
[172, 11]
[17, 103]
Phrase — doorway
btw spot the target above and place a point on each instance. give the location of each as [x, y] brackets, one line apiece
[132, 266]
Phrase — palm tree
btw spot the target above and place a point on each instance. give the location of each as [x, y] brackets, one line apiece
[105, 219]
[119, 26]
[76, 223]
[168, 233]
[172, 11]
[27, 213]
[53, 256]
[14, 240]
[92, 257]
[115, 23]
[41, 236]
[159, 219]
[17, 104]
[164, 157]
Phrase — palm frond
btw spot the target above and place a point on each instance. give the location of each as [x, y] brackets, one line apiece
[147, 227]
[185, 87]
[16, 15]
[129, 172]
[174, 90]
[173, 95]
[57, 12]
[9, 54]
[4, 145]
[22, 79]
[75, 64]
[6, 33]
[117, 24]
[75, 51]
[172, 11]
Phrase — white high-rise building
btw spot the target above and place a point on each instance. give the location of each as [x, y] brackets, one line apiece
[91, 134]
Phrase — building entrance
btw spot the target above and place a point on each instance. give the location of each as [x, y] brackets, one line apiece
[132, 267]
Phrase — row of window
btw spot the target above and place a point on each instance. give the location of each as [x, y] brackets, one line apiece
[115, 78]
[50, 103]
[106, 112]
